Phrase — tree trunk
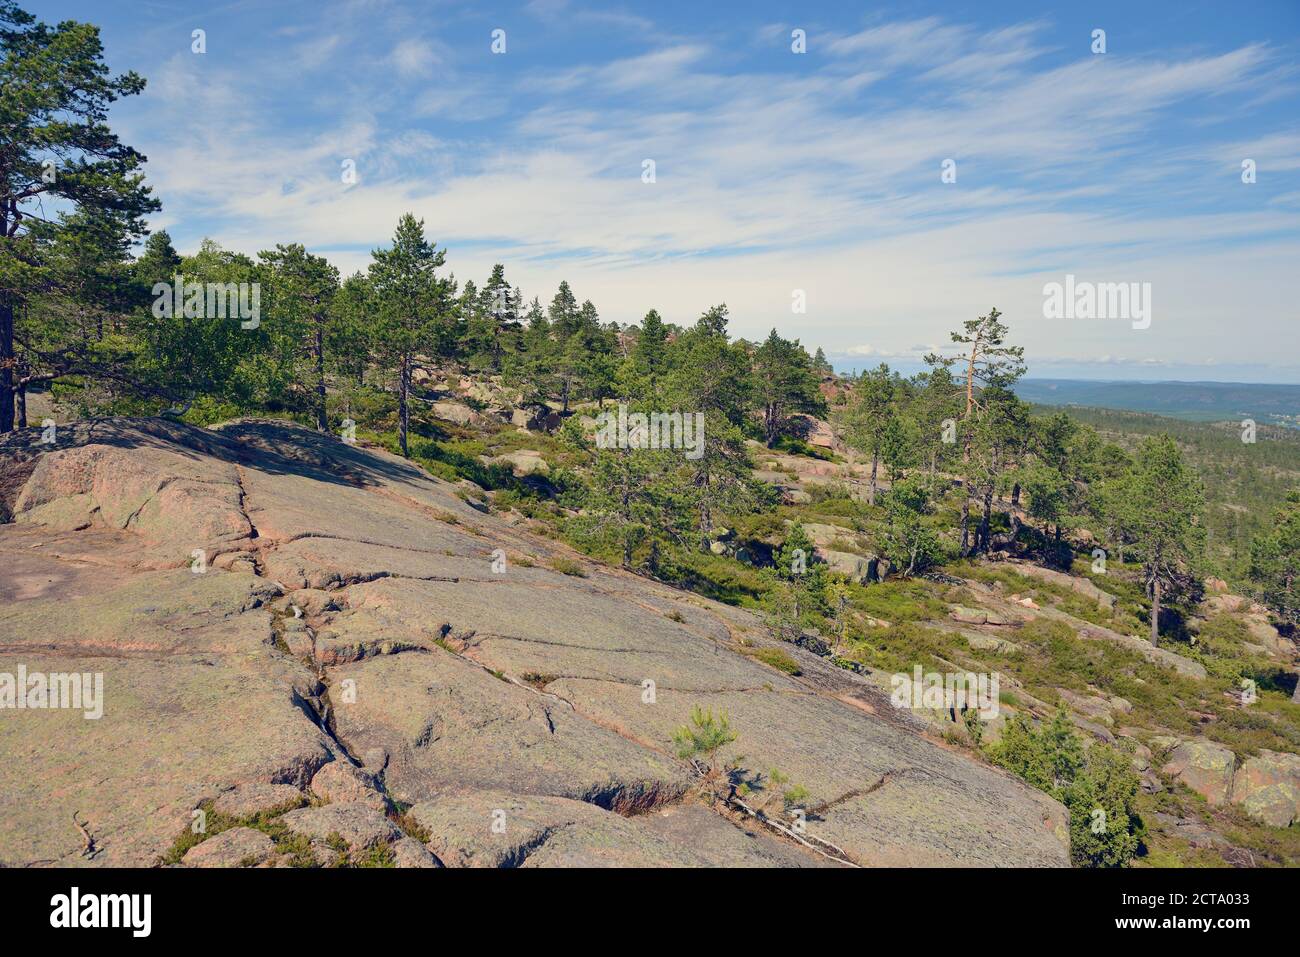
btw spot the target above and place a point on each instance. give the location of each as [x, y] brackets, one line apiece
[706, 516]
[970, 378]
[403, 404]
[965, 518]
[871, 494]
[322, 420]
[1015, 495]
[22, 406]
[7, 370]
[982, 539]
[1155, 610]
[626, 515]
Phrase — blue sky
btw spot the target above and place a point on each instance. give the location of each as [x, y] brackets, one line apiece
[774, 171]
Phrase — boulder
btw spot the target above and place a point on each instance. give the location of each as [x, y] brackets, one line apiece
[820, 434]
[1268, 787]
[408, 852]
[360, 825]
[1160, 656]
[249, 799]
[234, 847]
[523, 462]
[1091, 706]
[854, 566]
[824, 535]
[340, 782]
[1205, 767]
[990, 643]
[459, 413]
[1081, 585]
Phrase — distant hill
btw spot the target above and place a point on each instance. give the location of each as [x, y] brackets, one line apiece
[1198, 401]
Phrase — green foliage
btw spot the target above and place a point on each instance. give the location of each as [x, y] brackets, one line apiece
[567, 566]
[702, 738]
[910, 543]
[1275, 561]
[785, 385]
[1104, 825]
[795, 555]
[776, 658]
[1099, 787]
[60, 154]
[1161, 504]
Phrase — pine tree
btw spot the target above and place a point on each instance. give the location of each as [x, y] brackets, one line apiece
[870, 417]
[712, 376]
[300, 289]
[987, 363]
[349, 345]
[1162, 503]
[1275, 562]
[74, 322]
[58, 149]
[563, 313]
[413, 305]
[785, 385]
[651, 349]
[910, 543]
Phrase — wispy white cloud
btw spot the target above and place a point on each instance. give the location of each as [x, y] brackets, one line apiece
[824, 178]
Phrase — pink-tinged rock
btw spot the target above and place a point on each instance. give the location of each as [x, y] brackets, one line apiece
[1268, 788]
[339, 782]
[1205, 767]
[236, 847]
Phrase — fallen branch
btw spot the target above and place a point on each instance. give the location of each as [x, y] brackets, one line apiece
[839, 856]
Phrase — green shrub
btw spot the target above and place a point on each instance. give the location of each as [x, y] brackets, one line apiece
[776, 658]
[1099, 787]
[567, 566]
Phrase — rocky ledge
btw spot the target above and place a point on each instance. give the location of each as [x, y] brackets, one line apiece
[314, 652]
